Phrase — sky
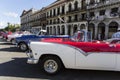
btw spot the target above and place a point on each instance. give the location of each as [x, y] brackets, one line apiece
[10, 10]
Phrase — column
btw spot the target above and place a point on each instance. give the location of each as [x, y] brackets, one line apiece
[66, 29]
[71, 29]
[52, 30]
[49, 30]
[60, 30]
[96, 31]
[56, 30]
[106, 31]
[78, 27]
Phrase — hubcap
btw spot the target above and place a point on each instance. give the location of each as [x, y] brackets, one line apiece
[50, 66]
[23, 47]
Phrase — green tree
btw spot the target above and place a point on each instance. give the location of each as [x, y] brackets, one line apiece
[12, 27]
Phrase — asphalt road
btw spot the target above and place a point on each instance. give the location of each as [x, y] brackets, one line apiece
[13, 66]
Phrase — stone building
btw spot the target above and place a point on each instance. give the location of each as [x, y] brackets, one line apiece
[105, 17]
[64, 17]
[26, 18]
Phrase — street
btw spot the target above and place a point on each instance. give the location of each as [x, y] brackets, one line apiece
[13, 66]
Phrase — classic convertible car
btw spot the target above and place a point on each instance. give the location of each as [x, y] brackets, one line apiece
[78, 52]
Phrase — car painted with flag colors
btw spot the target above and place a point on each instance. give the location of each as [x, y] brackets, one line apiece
[78, 52]
[12, 37]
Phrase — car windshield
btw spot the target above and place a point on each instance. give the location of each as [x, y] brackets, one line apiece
[82, 36]
[113, 41]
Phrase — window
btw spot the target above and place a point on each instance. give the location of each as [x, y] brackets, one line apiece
[83, 4]
[54, 21]
[76, 5]
[102, 1]
[114, 10]
[92, 2]
[63, 9]
[70, 19]
[70, 7]
[102, 12]
[58, 10]
[54, 12]
[92, 14]
[50, 21]
[50, 13]
[47, 14]
[76, 17]
[83, 16]
[58, 20]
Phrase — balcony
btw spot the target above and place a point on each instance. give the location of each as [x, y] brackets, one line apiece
[103, 3]
[84, 7]
[75, 20]
[100, 18]
[114, 14]
[73, 11]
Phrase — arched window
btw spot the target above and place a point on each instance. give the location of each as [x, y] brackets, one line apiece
[76, 5]
[102, 1]
[70, 7]
[113, 26]
[92, 2]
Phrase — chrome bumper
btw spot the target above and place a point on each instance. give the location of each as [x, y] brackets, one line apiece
[16, 45]
[31, 59]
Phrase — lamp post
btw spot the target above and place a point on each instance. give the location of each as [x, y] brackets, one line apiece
[87, 15]
[65, 21]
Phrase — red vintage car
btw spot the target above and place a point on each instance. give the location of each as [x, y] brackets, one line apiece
[5, 34]
[1, 33]
[78, 52]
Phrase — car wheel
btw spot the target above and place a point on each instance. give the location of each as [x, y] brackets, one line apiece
[23, 47]
[51, 65]
[13, 41]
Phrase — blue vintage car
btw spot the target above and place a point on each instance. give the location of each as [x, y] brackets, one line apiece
[23, 41]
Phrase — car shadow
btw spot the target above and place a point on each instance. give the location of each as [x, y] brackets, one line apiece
[18, 67]
[10, 49]
[6, 43]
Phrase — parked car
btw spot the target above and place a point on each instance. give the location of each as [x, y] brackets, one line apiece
[23, 41]
[78, 52]
[11, 37]
[1, 33]
[5, 34]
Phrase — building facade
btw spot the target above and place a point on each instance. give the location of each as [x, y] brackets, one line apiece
[26, 19]
[105, 17]
[64, 17]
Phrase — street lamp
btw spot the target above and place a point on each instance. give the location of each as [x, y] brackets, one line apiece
[65, 21]
[88, 18]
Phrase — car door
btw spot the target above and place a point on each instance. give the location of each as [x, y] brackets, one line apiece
[95, 56]
[33, 38]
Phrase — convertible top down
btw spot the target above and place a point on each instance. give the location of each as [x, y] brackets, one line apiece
[78, 52]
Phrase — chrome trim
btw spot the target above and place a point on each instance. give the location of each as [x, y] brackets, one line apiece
[32, 61]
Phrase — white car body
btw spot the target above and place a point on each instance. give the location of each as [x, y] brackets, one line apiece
[13, 36]
[74, 58]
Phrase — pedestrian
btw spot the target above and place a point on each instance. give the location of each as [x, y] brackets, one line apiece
[117, 34]
[99, 36]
